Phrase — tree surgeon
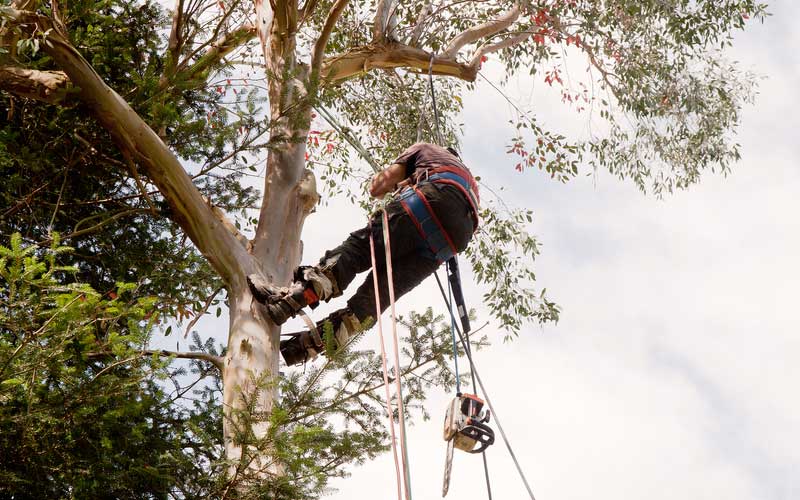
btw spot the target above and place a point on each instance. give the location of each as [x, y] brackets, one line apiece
[431, 218]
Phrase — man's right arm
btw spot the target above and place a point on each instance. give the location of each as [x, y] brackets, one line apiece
[387, 180]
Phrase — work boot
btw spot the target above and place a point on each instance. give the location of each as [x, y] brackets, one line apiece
[312, 285]
[302, 346]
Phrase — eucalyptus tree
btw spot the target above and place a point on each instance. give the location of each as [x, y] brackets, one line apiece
[656, 75]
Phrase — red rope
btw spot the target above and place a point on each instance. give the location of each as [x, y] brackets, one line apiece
[389, 410]
[387, 245]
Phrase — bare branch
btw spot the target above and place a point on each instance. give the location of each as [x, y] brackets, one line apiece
[391, 55]
[202, 312]
[96, 227]
[494, 47]
[419, 26]
[322, 41]
[475, 33]
[217, 361]
[51, 87]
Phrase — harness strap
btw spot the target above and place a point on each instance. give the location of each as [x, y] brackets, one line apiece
[454, 176]
[439, 244]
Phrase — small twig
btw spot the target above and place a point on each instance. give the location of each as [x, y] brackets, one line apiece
[25, 200]
[58, 202]
[140, 185]
[202, 311]
[217, 361]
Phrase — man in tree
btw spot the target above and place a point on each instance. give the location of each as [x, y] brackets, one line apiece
[431, 219]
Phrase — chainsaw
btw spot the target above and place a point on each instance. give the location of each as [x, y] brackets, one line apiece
[465, 428]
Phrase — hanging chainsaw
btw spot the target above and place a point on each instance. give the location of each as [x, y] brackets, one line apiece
[465, 428]
[465, 421]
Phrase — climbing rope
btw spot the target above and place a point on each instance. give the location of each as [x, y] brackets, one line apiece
[453, 335]
[439, 140]
[397, 368]
[389, 410]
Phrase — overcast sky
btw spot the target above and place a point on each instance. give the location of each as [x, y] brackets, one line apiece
[673, 372]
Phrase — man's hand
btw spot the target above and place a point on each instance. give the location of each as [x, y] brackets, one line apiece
[387, 180]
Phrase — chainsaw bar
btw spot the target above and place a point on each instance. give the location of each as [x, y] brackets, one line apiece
[448, 465]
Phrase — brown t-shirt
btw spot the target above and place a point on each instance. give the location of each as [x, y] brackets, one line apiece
[424, 155]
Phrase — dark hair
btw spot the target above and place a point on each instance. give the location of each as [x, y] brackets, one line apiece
[452, 150]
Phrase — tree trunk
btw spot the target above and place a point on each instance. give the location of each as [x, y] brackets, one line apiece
[251, 362]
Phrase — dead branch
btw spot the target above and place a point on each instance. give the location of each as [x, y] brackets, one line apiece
[202, 312]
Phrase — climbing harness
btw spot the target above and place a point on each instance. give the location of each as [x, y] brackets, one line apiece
[438, 244]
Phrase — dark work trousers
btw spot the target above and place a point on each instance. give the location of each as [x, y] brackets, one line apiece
[411, 264]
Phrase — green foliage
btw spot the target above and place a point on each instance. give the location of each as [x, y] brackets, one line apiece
[657, 77]
[502, 253]
[74, 420]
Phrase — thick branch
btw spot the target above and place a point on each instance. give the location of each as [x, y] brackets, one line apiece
[133, 136]
[51, 87]
[475, 33]
[264, 18]
[175, 42]
[325, 34]
[391, 55]
[307, 11]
